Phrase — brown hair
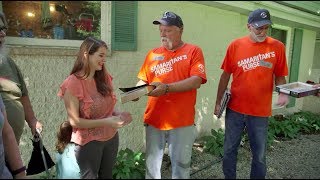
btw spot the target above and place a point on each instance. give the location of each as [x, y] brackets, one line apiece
[91, 45]
[63, 136]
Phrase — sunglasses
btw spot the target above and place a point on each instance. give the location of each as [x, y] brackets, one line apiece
[261, 28]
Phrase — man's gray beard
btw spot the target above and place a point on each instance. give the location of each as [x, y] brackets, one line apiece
[169, 43]
[256, 38]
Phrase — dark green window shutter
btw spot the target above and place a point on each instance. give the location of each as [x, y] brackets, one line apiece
[124, 25]
[295, 61]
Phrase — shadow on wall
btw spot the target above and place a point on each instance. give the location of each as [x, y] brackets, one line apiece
[205, 120]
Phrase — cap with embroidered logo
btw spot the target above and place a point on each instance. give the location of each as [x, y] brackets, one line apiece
[170, 19]
[259, 17]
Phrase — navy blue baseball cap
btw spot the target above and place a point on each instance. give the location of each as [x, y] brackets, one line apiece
[170, 19]
[259, 17]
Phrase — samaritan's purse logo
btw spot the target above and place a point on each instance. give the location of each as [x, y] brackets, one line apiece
[263, 15]
[158, 57]
[201, 68]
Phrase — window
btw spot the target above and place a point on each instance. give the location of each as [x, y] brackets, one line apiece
[53, 19]
[283, 34]
[66, 23]
[279, 34]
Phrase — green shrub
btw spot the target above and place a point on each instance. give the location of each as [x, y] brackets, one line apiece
[129, 165]
[290, 126]
[282, 126]
[213, 144]
[308, 122]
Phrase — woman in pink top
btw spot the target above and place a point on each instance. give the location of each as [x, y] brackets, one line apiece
[89, 100]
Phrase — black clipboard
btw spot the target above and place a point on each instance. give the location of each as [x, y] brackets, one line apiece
[133, 88]
[224, 102]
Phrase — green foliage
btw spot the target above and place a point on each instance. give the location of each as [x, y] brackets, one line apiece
[244, 137]
[51, 174]
[129, 165]
[283, 127]
[280, 126]
[94, 8]
[306, 121]
[271, 135]
[290, 126]
[213, 144]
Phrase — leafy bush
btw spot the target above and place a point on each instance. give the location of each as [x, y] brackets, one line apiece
[307, 122]
[280, 126]
[283, 127]
[129, 165]
[213, 144]
[290, 126]
[94, 8]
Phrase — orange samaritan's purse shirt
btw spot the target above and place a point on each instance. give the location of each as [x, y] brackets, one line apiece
[92, 106]
[172, 110]
[254, 66]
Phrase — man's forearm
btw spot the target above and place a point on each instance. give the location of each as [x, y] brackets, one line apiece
[279, 80]
[193, 82]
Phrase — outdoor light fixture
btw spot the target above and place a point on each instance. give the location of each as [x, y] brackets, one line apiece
[52, 8]
[30, 14]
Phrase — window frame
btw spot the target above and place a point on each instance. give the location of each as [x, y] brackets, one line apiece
[288, 39]
[288, 55]
[65, 43]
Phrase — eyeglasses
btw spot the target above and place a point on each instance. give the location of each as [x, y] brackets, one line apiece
[3, 29]
[169, 14]
[261, 28]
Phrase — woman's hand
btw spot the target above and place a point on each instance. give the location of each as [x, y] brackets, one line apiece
[115, 122]
[120, 120]
[126, 117]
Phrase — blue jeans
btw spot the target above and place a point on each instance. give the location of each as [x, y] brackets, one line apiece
[180, 142]
[257, 128]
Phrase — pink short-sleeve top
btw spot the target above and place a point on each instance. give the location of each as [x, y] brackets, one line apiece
[92, 106]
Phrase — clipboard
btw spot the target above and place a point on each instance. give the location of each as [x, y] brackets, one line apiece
[224, 102]
[131, 93]
[127, 89]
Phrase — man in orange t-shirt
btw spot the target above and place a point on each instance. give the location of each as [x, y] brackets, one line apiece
[177, 70]
[256, 62]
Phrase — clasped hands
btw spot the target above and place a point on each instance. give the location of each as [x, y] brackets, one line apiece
[122, 119]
